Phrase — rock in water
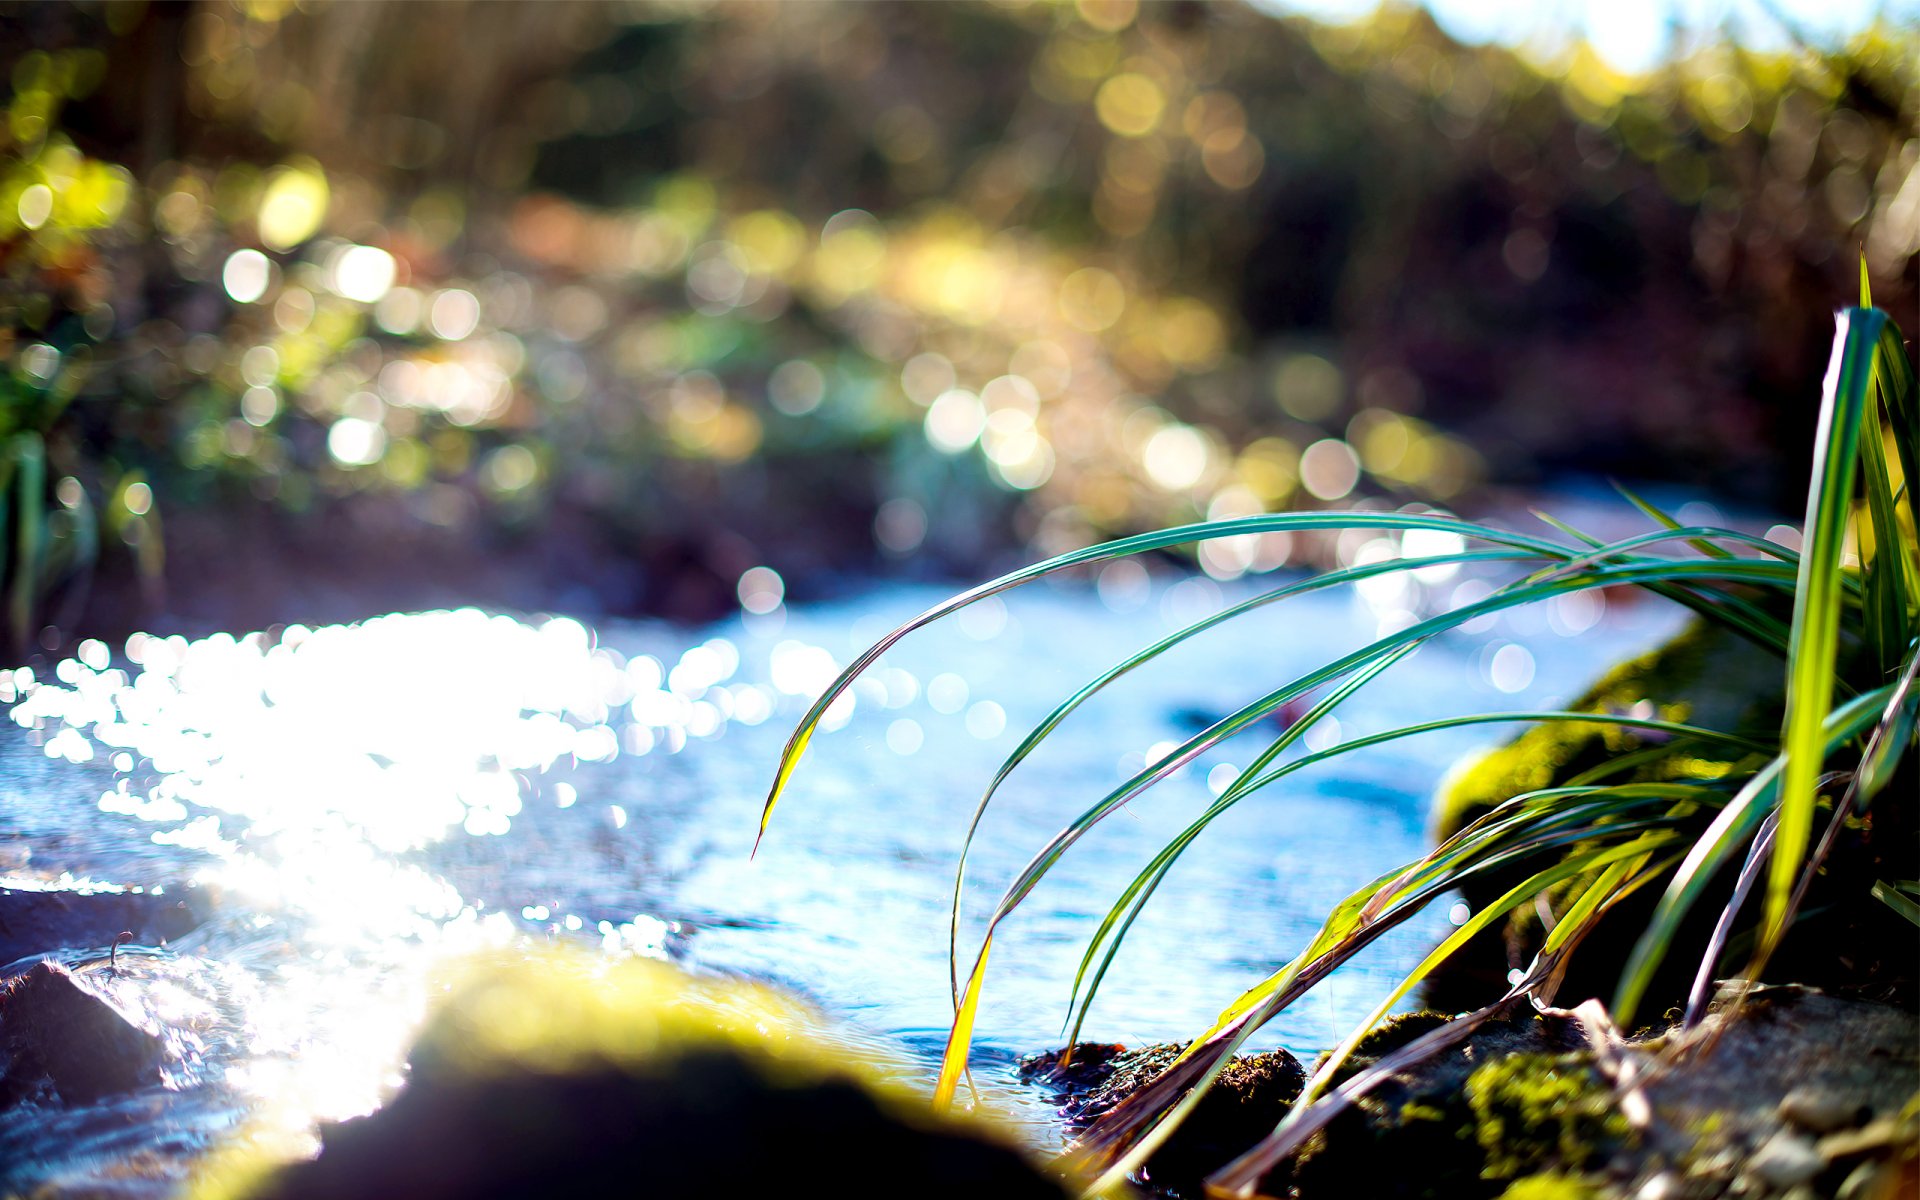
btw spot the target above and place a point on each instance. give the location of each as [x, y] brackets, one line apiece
[1247, 1100]
[34, 920]
[58, 1031]
[565, 1078]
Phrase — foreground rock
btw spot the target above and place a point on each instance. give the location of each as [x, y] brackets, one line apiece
[1798, 1095]
[1247, 1100]
[64, 1039]
[565, 1078]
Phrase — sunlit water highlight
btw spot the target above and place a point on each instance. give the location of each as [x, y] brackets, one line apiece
[356, 804]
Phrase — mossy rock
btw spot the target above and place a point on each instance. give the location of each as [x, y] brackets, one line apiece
[569, 1077]
[1551, 1185]
[1521, 1110]
[1416, 1136]
[1535, 1113]
[1393, 1034]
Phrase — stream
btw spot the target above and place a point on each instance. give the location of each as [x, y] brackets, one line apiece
[350, 806]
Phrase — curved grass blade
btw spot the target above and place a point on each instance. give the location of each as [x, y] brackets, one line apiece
[1895, 736]
[1045, 728]
[1893, 373]
[1757, 855]
[1902, 897]
[1701, 544]
[1888, 570]
[1305, 1120]
[1729, 830]
[1816, 611]
[1130, 1132]
[1632, 571]
[1604, 553]
[1144, 887]
[1632, 760]
[1891, 738]
[1138, 544]
[1721, 607]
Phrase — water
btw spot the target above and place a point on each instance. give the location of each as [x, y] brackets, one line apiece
[357, 805]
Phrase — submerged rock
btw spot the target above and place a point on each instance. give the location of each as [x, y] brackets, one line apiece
[38, 920]
[1247, 1100]
[565, 1078]
[61, 1034]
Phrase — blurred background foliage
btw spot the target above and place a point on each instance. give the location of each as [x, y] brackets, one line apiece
[597, 306]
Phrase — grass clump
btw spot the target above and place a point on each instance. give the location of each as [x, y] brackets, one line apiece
[1747, 837]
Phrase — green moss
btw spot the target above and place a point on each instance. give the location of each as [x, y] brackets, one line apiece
[1539, 1112]
[1390, 1035]
[563, 1074]
[1550, 1186]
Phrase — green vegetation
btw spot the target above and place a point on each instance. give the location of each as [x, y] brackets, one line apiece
[1193, 261]
[1550, 1186]
[1535, 1111]
[1842, 620]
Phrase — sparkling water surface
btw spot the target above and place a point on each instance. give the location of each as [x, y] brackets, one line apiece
[354, 805]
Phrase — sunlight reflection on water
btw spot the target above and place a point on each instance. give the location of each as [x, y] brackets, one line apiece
[362, 803]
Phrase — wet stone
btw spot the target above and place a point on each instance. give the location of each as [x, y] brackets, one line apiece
[59, 1033]
[1247, 1100]
[1785, 1160]
[1872, 1138]
[1820, 1110]
[37, 920]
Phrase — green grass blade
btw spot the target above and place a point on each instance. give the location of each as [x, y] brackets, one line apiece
[1729, 830]
[1305, 1120]
[1689, 534]
[1246, 716]
[1903, 898]
[1817, 608]
[1122, 548]
[1893, 375]
[1053, 720]
[1116, 1144]
[1887, 577]
[1705, 547]
[1146, 882]
[1897, 731]
[1751, 622]
[1757, 855]
[1632, 760]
